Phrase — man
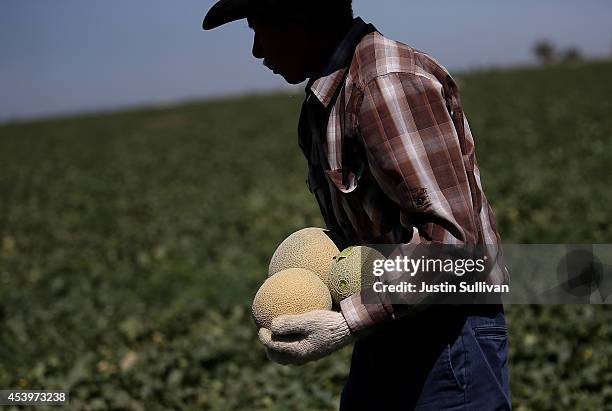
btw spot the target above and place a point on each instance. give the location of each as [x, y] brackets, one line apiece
[391, 160]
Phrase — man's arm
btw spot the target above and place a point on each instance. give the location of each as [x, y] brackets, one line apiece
[411, 134]
[415, 153]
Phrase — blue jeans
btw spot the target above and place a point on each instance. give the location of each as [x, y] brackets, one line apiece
[447, 358]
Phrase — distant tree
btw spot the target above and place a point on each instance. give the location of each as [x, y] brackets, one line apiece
[544, 51]
[572, 55]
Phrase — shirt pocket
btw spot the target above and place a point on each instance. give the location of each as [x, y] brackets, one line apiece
[336, 177]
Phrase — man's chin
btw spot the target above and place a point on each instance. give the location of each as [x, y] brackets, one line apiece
[293, 80]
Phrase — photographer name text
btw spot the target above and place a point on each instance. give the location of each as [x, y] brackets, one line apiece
[446, 287]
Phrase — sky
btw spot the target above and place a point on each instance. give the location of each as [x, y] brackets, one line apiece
[67, 56]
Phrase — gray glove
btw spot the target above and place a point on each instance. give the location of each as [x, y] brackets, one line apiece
[298, 339]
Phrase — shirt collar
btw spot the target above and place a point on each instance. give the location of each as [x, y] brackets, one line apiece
[324, 86]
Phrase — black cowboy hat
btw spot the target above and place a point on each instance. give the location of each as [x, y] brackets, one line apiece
[225, 11]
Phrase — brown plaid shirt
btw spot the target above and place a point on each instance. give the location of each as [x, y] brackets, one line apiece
[391, 155]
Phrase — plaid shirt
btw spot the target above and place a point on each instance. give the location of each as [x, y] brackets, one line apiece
[391, 156]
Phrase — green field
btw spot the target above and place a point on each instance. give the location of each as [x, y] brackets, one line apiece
[132, 244]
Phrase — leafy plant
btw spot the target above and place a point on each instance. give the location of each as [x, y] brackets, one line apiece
[132, 243]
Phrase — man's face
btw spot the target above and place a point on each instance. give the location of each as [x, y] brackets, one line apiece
[283, 47]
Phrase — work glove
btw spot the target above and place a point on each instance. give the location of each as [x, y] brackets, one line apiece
[298, 339]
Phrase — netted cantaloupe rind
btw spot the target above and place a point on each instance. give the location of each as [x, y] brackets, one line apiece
[349, 268]
[291, 291]
[309, 248]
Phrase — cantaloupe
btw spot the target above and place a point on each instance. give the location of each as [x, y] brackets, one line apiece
[291, 291]
[309, 248]
[345, 277]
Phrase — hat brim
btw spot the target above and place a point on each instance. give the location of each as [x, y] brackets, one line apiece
[225, 11]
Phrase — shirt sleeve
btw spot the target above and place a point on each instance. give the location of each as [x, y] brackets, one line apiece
[413, 141]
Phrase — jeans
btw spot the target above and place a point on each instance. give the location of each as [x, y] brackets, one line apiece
[447, 358]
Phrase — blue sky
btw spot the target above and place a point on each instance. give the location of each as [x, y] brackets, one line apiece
[66, 56]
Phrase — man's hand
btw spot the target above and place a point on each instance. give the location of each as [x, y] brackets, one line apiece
[297, 339]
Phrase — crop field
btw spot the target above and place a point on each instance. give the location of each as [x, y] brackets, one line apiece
[131, 245]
